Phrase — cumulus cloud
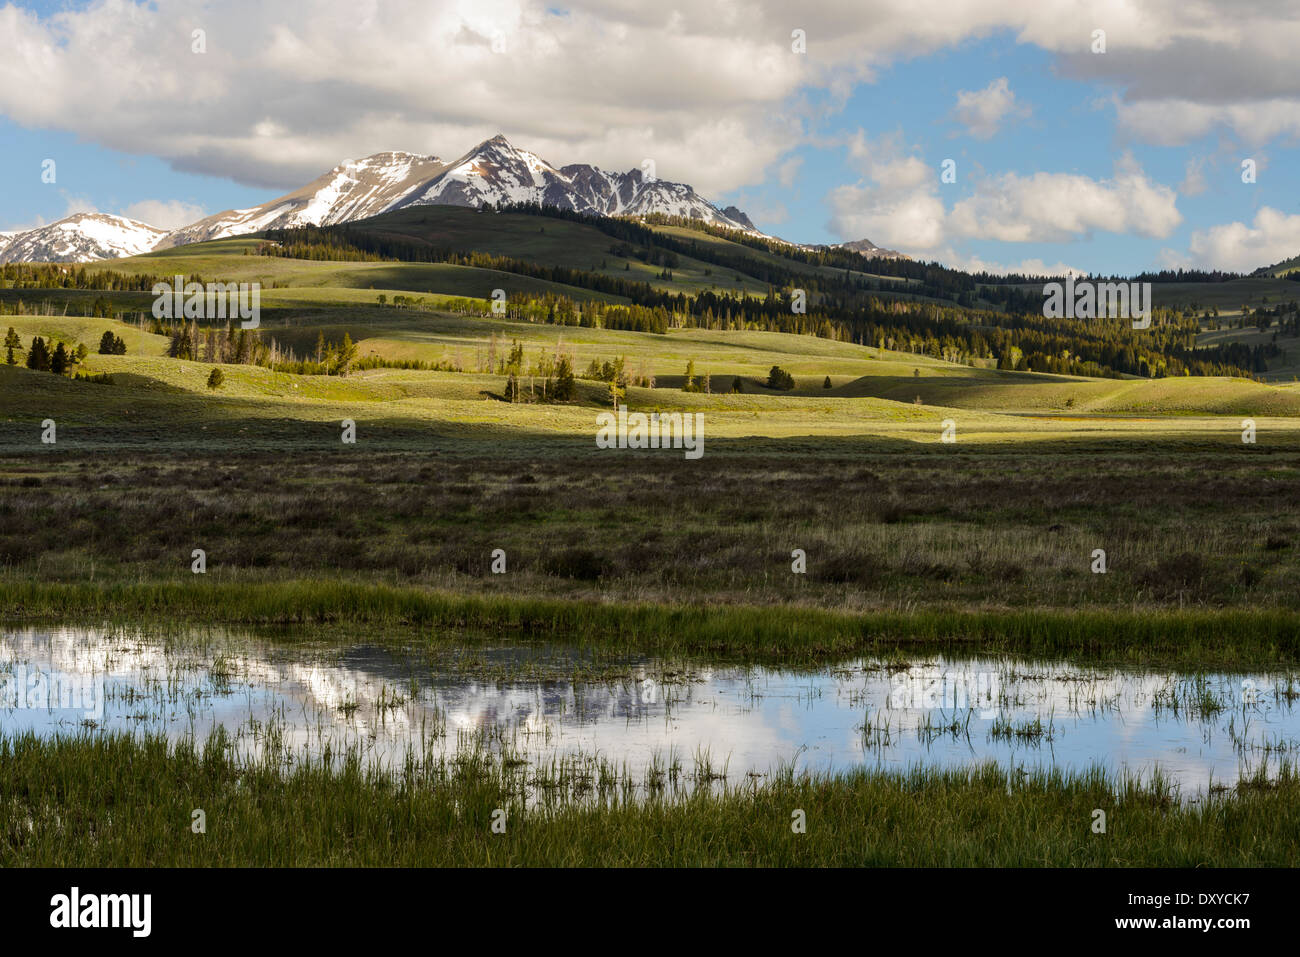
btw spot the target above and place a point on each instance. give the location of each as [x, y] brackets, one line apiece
[789, 170]
[898, 203]
[277, 99]
[983, 112]
[707, 91]
[1193, 183]
[165, 214]
[1175, 122]
[1056, 207]
[909, 220]
[1026, 267]
[1272, 237]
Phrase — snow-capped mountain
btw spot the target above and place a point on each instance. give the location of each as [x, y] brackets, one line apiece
[493, 172]
[496, 172]
[352, 190]
[869, 249]
[82, 238]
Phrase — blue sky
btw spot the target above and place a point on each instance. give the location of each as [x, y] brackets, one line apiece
[1063, 125]
[1113, 162]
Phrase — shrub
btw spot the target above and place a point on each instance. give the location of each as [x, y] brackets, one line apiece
[778, 378]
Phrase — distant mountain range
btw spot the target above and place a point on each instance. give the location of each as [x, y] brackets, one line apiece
[493, 172]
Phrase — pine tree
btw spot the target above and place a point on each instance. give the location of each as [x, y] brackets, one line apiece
[59, 360]
[564, 380]
[12, 342]
[827, 383]
[347, 355]
[38, 357]
[107, 343]
[216, 378]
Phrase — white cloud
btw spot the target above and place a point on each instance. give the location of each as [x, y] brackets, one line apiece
[1174, 122]
[1026, 267]
[982, 112]
[1057, 207]
[898, 203]
[278, 98]
[789, 170]
[707, 91]
[165, 214]
[1271, 238]
[907, 220]
[1193, 183]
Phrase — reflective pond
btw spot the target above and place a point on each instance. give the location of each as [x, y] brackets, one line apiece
[691, 721]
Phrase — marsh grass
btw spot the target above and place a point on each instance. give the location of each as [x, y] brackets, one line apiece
[1233, 638]
[114, 800]
[884, 529]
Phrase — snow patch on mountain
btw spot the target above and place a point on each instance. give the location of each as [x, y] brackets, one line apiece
[494, 172]
[355, 189]
[497, 172]
[84, 237]
[869, 249]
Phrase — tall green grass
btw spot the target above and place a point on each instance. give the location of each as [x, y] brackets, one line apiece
[118, 801]
[1231, 638]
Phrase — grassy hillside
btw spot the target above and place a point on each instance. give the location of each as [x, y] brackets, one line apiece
[1045, 467]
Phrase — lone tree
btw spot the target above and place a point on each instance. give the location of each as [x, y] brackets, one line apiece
[778, 378]
[827, 383]
[216, 378]
[346, 356]
[564, 380]
[12, 342]
[59, 361]
[689, 385]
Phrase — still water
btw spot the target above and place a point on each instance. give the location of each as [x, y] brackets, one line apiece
[736, 722]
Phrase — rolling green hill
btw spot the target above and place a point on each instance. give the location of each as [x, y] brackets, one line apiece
[439, 356]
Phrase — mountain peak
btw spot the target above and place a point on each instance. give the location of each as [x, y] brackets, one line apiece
[865, 247]
[82, 237]
[495, 172]
[498, 142]
[392, 156]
